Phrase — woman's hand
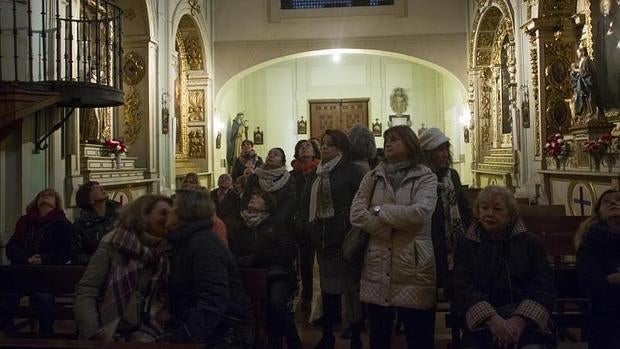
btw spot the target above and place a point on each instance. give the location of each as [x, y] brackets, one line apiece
[614, 278]
[517, 323]
[501, 331]
[34, 259]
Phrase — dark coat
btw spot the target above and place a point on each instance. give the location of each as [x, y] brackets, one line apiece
[206, 292]
[285, 199]
[90, 228]
[266, 246]
[598, 256]
[239, 167]
[229, 207]
[328, 234]
[438, 228]
[50, 237]
[511, 275]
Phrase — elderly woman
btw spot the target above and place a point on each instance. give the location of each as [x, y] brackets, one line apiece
[129, 270]
[305, 162]
[598, 268]
[394, 206]
[452, 214]
[273, 178]
[260, 242]
[97, 217]
[502, 281]
[42, 236]
[326, 205]
[208, 302]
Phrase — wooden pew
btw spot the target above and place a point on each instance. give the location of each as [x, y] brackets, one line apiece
[542, 211]
[556, 234]
[23, 343]
[472, 194]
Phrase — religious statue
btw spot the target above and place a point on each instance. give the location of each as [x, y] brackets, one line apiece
[608, 53]
[238, 133]
[90, 126]
[587, 100]
[196, 144]
[398, 101]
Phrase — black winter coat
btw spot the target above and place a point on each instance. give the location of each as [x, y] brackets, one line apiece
[266, 246]
[511, 274]
[206, 293]
[438, 228]
[90, 228]
[345, 179]
[50, 237]
[598, 256]
[285, 199]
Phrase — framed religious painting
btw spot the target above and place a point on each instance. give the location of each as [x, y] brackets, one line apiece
[258, 136]
[606, 45]
[302, 126]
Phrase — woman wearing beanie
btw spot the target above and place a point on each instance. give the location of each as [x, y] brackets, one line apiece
[305, 162]
[394, 206]
[453, 213]
[327, 202]
[273, 178]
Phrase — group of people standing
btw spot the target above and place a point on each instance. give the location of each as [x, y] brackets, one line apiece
[167, 269]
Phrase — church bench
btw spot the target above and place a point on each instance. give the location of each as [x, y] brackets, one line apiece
[26, 343]
[542, 211]
[556, 233]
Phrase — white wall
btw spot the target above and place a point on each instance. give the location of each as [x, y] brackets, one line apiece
[274, 98]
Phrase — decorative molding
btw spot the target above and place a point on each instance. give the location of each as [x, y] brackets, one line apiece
[193, 50]
[181, 101]
[132, 115]
[129, 14]
[557, 86]
[196, 106]
[196, 142]
[133, 68]
[194, 7]
[535, 87]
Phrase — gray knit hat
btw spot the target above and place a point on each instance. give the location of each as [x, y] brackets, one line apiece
[432, 138]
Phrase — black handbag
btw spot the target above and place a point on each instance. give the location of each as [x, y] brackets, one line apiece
[356, 240]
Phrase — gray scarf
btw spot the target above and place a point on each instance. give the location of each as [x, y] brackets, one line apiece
[272, 180]
[321, 203]
[395, 173]
[254, 219]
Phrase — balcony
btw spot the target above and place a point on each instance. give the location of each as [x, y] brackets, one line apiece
[72, 52]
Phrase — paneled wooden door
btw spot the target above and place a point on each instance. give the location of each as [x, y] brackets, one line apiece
[340, 114]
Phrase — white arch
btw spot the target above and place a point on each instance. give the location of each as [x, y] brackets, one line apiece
[402, 56]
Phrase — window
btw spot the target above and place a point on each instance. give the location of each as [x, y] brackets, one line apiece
[307, 4]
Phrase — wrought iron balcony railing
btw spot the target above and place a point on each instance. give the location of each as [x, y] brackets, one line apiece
[71, 47]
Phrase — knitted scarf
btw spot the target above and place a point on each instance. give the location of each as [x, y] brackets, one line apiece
[452, 217]
[395, 173]
[272, 180]
[253, 219]
[321, 203]
[305, 167]
[124, 277]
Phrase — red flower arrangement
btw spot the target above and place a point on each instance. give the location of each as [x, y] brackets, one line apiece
[115, 146]
[599, 147]
[556, 147]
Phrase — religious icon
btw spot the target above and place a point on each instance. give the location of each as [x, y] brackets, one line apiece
[165, 118]
[525, 109]
[218, 140]
[302, 126]
[377, 128]
[465, 134]
[258, 136]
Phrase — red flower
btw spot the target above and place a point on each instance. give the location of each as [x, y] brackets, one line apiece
[115, 146]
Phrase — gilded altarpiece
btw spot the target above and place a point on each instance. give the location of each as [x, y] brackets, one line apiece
[492, 72]
[556, 29]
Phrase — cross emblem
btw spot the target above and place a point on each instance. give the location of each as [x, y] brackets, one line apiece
[581, 201]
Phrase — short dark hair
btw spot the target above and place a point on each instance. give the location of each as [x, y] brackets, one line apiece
[339, 138]
[316, 147]
[82, 196]
[247, 141]
[362, 143]
[406, 134]
[270, 201]
[193, 204]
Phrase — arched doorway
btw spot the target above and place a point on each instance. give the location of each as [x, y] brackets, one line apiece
[493, 93]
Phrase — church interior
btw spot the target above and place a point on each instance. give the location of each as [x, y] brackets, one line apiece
[136, 94]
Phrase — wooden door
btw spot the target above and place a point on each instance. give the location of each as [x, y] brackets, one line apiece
[340, 114]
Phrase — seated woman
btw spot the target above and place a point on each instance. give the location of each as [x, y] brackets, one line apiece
[502, 281]
[598, 269]
[208, 301]
[97, 217]
[128, 271]
[261, 243]
[42, 236]
[273, 178]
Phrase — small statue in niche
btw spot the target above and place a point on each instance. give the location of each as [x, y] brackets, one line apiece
[399, 101]
[90, 126]
[586, 90]
[258, 136]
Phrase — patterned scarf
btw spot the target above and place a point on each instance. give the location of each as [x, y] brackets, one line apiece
[321, 203]
[254, 219]
[453, 222]
[272, 180]
[124, 277]
[395, 173]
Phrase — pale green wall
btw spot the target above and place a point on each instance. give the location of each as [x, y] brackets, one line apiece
[274, 97]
